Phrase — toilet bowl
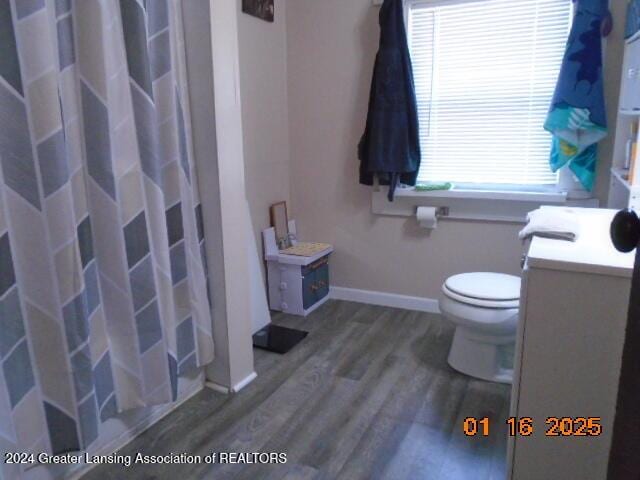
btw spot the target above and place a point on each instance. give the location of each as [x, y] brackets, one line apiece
[484, 308]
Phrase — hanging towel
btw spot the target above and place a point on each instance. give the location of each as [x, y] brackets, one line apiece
[577, 118]
[390, 147]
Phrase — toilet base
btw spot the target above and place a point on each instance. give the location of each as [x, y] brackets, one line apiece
[486, 357]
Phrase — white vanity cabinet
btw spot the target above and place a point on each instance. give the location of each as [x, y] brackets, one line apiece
[568, 354]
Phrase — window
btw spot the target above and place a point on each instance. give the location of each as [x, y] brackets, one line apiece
[485, 72]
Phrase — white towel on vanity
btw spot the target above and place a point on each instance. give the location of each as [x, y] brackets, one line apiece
[560, 224]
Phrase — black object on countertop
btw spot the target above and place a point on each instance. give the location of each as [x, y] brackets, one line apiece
[625, 230]
[275, 338]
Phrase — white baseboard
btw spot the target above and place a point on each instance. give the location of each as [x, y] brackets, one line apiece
[216, 387]
[243, 383]
[383, 299]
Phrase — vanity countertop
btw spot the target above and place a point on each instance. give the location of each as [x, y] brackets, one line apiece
[592, 252]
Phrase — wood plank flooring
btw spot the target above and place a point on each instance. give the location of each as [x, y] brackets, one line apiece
[367, 395]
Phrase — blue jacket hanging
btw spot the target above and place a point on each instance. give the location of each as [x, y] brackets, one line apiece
[390, 146]
[577, 118]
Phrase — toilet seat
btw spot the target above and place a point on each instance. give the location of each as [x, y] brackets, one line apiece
[476, 302]
[484, 289]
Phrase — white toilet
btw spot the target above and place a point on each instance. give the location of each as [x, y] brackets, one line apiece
[484, 308]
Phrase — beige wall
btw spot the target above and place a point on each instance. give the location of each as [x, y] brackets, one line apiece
[331, 50]
[263, 82]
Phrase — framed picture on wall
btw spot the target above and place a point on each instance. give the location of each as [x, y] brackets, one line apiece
[263, 9]
[280, 222]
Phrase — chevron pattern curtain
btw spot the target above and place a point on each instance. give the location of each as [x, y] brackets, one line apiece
[103, 280]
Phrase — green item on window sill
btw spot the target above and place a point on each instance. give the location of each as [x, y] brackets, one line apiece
[432, 187]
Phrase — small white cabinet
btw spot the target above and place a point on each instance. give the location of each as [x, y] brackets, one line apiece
[569, 347]
[297, 285]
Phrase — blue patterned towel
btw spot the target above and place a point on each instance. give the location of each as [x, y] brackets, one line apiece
[577, 118]
[633, 19]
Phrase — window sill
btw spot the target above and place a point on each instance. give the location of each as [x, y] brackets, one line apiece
[482, 194]
[476, 205]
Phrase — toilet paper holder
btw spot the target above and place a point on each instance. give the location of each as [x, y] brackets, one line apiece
[428, 217]
[442, 212]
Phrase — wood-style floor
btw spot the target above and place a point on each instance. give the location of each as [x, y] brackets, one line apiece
[368, 394]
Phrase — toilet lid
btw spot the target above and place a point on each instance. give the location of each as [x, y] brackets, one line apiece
[485, 286]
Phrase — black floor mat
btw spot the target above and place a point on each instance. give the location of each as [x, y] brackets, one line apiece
[278, 339]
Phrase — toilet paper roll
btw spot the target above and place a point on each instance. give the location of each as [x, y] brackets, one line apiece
[427, 217]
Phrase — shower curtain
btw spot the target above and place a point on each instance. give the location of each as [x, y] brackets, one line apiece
[103, 281]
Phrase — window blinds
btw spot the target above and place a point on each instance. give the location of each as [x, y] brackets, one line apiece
[485, 72]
